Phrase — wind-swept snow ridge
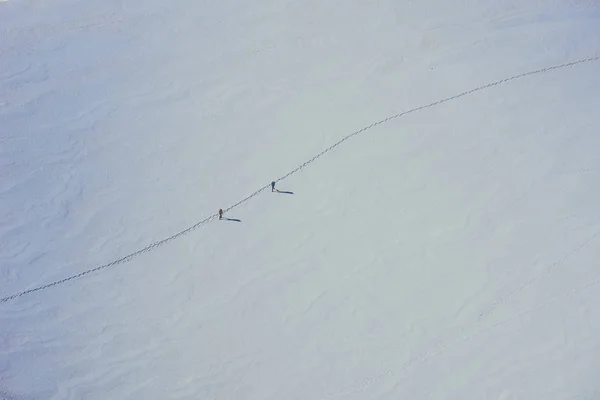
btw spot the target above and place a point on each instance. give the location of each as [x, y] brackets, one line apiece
[156, 244]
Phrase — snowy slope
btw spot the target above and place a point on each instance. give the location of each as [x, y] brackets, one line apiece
[450, 252]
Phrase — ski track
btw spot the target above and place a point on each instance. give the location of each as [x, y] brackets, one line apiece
[32, 35]
[159, 243]
[441, 346]
[535, 278]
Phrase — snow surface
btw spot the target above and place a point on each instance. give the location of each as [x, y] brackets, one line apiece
[447, 253]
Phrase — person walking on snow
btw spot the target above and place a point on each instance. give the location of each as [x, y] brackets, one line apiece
[272, 186]
[220, 213]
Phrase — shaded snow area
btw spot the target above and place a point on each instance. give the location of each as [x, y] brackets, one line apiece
[436, 233]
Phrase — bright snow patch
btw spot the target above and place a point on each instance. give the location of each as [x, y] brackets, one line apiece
[447, 253]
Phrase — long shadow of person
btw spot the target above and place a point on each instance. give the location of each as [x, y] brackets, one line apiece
[232, 219]
[277, 190]
[283, 191]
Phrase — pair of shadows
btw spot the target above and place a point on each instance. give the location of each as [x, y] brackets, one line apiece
[239, 220]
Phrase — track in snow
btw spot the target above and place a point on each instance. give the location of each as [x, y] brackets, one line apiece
[159, 243]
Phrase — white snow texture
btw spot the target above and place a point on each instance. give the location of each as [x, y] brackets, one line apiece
[436, 233]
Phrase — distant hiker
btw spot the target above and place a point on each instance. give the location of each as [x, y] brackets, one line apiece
[272, 186]
[220, 213]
